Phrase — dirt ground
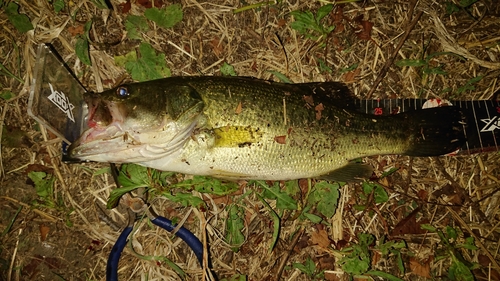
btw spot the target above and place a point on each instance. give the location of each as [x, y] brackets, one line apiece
[68, 233]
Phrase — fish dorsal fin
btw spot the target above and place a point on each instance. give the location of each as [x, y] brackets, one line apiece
[351, 172]
[184, 101]
[330, 91]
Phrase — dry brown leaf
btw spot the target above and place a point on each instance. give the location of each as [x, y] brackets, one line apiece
[350, 77]
[125, 7]
[44, 231]
[320, 237]
[376, 256]
[409, 225]
[423, 194]
[38, 168]
[420, 268]
[149, 4]
[76, 30]
[217, 46]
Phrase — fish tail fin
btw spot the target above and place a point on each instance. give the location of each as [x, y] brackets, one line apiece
[435, 131]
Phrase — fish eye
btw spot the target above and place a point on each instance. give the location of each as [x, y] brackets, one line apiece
[122, 92]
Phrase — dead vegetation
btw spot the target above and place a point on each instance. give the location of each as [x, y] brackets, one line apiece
[71, 239]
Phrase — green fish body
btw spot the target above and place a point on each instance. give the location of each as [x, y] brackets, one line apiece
[245, 128]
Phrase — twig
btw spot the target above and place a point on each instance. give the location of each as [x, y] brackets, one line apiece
[41, 213]
[2, 121]
[288, 253]
[9, 274]
[389, 62]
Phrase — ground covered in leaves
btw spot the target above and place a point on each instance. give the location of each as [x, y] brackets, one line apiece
[418, 219]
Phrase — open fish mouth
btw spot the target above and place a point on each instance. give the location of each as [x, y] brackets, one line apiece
[105, 131]
[117, 134]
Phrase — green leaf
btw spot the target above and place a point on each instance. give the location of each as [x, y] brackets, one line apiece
[135, 25]
[82, 44]
[379, 193]
[276, 223]
[167, 17]
[185, 199]
[234, 226]
[122, 60]
[308, 268]
[7, 72]
[451, 8]
[312, 217]
[116, 194]
[384, 275]
[451, 233]
[428, 227]
[358, 261]
[208, 185]
[236, 277]
[355, 265]
[409, 62]
[6, 95]
[466, 3]
[292, 187]
[349, 68]
[101, 171]
[323, 11]
[469, 244]
[309, 25]
[399, 260]
[459, 271]
[58, 5]
[130, 177]
[303, 21]
[82, 50]
[325, 196]
[474, 80]
[434, 70]
[281, 76]
[86, 29]
[386, 247]
[283, 200]
[11, 222]
[44, 184]
[323, 68]
[101, 4]
[20, 21]
[227, 70]
[134, 176]
[148, 66]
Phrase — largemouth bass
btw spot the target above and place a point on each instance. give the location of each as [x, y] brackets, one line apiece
[245, 128]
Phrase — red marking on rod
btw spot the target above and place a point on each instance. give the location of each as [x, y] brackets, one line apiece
[378, 111]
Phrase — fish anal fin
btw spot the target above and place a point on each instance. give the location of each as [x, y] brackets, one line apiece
[349, 173]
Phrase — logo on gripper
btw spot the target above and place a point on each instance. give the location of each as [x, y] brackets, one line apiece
[491, 124]
[62, 101]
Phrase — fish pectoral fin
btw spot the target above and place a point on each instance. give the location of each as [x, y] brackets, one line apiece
[349, 173]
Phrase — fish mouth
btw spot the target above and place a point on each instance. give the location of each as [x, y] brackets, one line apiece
[104, 131]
